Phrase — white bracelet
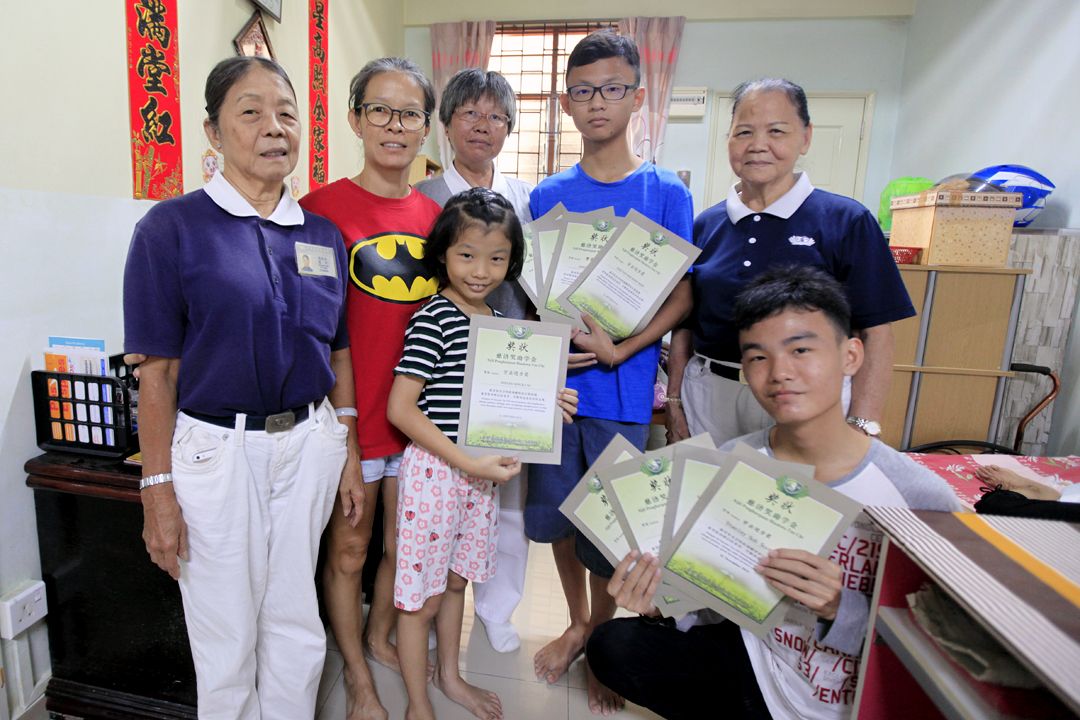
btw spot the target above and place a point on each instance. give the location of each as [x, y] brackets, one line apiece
[151, 480]
[346, 412]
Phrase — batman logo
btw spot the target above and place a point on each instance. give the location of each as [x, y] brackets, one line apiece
[391, 267]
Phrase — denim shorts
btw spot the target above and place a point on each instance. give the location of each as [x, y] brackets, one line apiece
[582, 442]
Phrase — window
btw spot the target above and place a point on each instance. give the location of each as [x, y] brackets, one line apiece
[532, 57]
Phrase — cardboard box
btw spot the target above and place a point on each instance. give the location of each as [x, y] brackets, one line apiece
[956, 228]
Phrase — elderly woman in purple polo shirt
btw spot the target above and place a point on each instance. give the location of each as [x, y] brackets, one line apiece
[774, 216]
[237, 298]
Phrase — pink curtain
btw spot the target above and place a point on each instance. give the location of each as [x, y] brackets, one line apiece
[658, 40]
[456, 46]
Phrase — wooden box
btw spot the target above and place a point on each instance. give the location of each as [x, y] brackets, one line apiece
[956, 228]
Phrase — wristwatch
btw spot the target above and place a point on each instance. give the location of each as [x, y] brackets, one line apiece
[870, 427]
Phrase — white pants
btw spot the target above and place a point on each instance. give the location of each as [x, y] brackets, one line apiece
[496, 599]
[726, 409]
[255, 504]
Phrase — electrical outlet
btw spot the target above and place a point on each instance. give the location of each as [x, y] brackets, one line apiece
[21, 608]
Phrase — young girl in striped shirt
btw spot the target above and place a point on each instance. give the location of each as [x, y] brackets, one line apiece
[447, 506]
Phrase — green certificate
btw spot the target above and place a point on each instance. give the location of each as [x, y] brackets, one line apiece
[588, 508]
[583, 236]
[514, 370]
[747, 510]
[638, 490]
[541, 235]
[627, 282]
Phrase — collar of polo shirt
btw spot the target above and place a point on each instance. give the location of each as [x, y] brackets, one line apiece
[229, 199]
[784, 208]
[455, 183]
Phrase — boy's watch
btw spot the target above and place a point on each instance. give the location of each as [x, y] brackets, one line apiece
[870, 427]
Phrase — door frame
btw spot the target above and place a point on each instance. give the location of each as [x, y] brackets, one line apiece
[718, 149]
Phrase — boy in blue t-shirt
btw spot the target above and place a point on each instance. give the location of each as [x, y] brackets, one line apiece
[614, 380]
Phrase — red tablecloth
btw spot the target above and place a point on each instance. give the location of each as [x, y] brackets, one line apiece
[959, 470]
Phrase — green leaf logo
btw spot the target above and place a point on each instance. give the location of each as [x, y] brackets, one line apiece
[518, 332]
[594, 484]
[659, 238]
[655, 466]
[602, 225]
[791, 487]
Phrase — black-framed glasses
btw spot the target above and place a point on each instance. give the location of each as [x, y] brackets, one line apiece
[381, 115]
[471, 117]
[610, 91]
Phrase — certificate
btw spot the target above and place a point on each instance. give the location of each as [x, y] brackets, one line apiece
[750, 507]
[514, 370]
[638, 490]
[541, 236]
[588, 508]
[583, 236]
[627, 282]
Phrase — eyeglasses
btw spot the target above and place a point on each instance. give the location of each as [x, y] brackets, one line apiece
[471, 117]
[381, 115]
[611, 91]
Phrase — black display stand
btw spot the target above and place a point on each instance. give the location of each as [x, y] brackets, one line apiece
[117, 636]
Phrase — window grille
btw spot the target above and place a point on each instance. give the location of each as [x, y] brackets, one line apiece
[532, 56]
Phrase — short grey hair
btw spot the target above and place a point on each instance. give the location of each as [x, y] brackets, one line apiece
[795, 94]
[471, 84]
[359, 83]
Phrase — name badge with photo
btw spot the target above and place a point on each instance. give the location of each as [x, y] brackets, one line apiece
[315, 260]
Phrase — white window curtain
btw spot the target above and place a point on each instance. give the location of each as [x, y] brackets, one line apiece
[658, 40]
[456, 46]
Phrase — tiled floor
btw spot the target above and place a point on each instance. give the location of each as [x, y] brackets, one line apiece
[541, 616]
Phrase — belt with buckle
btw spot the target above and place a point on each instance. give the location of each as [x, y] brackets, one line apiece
[718, 368]
[278, 422]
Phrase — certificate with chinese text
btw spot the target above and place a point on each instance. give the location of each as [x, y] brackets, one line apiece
[638, 490]
[514, 370]
[541, 236]
[588, 508]
[748, 509]
[583, 236]
[629, 279]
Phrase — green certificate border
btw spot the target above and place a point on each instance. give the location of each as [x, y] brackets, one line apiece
[475, 362]
[580, 504]
[776, 479]
[531, 279]
[574, 224]
[641, 260]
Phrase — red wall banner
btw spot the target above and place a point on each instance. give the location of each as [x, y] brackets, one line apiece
[319, 149]
[154, 98]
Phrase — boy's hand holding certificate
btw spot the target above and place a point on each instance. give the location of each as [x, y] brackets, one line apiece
[711, 518]
[514, 371]
[619, 270]
[628, 281]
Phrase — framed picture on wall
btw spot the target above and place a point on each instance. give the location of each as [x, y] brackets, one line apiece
[272, 7]
[253, 40]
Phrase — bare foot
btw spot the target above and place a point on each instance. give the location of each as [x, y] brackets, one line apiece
[361, 701]
[369, 653]
[994, 475]
[384, 654]
[552, 660]
[413, 712]
[602, 701]
[484, 704]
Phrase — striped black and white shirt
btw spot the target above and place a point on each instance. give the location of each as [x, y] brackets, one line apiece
[436, 343]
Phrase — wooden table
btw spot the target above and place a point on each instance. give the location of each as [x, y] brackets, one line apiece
[117, 635]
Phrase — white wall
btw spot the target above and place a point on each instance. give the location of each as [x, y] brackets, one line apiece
[65, 186]
[997, 81]
[859, 56]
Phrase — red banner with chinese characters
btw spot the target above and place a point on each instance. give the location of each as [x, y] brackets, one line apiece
[319, 143]
[154, 98]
